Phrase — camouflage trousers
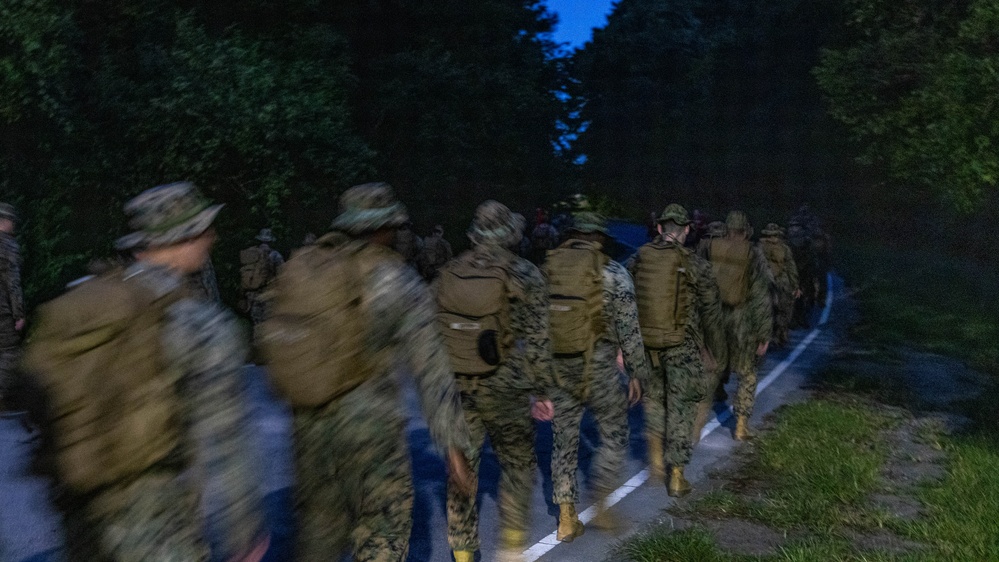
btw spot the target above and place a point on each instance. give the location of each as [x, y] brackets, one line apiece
[670, 401]
[783, 310]
[604, 395]
[742, 360]
[256, 306]
[502, 414]
[354, 490]
[9, 358]
[154, 518]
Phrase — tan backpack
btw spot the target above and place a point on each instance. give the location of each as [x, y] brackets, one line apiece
[113, 405]
[314, 342]
[255, 268]
[776, 256]
[731, 260]
[663, 295]
[473, 302]
[575, 273]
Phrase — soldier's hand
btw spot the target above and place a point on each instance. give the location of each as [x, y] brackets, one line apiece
[761, 350]
[797, 293]
[256, 552]
[708, 361]
[620, 360]
[459, 473]
[542, 410]
[19, 324]
[634, 392]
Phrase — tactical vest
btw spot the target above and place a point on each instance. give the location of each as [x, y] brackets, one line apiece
[473, 301]
[575, 273]
[776, 256]
[731, 260]
[256, 268]
[114, 408]
[662, 282]
[315, 340]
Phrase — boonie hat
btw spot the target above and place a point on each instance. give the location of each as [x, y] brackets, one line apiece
[368, 207]
[167, 214]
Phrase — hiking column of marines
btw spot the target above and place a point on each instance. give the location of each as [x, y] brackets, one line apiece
[141, 365]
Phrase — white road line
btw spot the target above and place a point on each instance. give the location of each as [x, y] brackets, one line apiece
[548, 543]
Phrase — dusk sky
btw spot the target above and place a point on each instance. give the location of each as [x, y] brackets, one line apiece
[577, 18]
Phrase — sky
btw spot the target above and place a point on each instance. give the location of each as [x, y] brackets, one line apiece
[577, 18]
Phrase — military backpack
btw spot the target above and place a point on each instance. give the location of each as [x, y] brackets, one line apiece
[113, 405]
[256, 268]
[776, 256]
[314, 342]
[731, 260]
[575, 274]
[473, 300]
[662, 289]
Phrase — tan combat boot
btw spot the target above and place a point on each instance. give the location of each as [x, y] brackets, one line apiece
[464, 556]
[511, 547]
[741, 432]
[657, 466]
[604, 519]
[569, 525]
[678, 485]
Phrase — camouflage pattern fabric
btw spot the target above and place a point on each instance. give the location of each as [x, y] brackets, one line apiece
[9, 359]
[435, 253]
[351, 456]
[154, 516]
[368, 207]
[11, 296]
[784, 286]
[204, 284]
[746, 327]
[409, 245]
[167, 214]
[601, 392]
[499, 405]
[679, 381]
[255, 303]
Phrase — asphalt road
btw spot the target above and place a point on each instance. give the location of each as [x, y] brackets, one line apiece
[30, 529]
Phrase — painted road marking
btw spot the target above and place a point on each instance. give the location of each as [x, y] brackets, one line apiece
[549, 542]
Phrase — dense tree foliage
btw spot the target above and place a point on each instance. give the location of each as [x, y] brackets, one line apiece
[916, 83]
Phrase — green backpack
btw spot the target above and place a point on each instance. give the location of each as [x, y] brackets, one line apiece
[255, 269]
[314, 342]
[575, 274]
[731, 260]
[473, 302]
[663, 295]
[776, 256]
[113, 407]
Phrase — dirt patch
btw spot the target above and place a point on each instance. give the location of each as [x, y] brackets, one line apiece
[745, 537]
[881, 542]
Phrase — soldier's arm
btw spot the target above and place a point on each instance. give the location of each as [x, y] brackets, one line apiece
[790, 267]
[400, 293]
[709, 309]
[619, 293]
[205, 343]
[530, 323]
[13, 281]
[760, 311]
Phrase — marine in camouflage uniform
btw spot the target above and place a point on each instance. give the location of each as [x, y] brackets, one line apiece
[11, 304]
[436, 252]
[154, 514]
[785, 276]
[678, 380]
[408, 244]
[498, 405]
[748, 325]
[255, 301]
[354, 489]
[598, 389]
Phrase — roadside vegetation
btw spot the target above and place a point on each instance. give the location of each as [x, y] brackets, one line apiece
[878, 466]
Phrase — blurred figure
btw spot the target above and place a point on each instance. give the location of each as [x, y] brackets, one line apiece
[807, 265]
[493, 313]
[785, 276]
[681, 329]
[347, 312]
[408, 244]
[544, 237]
[744, 282]
[309, 240]
[12, 316]
[143, 381]
[593, 314]
[258, 267]
[436, 252]
[715, 229]
[204, 284]
[698, 229]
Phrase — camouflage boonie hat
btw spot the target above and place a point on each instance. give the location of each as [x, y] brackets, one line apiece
[266, 235]
[737, 220]
[588, 222]
[167, 214]
[7, 211]
[772, 229]
[494, 223]
[368, 207]
[674, 212]
[717, 229]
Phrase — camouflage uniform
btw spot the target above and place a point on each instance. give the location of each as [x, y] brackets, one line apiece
[11, 307]
[408, 244]
[601, 392]
[678, 380]
[353, 483]
[785, 276]
[749, 324]
[498, 405]
[154, 515]
[436, 252]
[255, 301]
[204, 284]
